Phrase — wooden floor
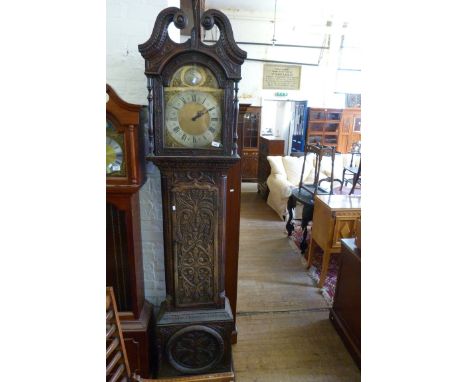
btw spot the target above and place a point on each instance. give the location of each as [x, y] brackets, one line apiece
[284, 334]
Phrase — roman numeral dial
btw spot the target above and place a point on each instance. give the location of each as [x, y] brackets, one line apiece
[114, 156]
[193, 119]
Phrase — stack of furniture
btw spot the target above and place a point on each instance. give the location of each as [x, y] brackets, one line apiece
[269, 146]
[250, 119]
[307, 190]
[346, 311]
[334, 127]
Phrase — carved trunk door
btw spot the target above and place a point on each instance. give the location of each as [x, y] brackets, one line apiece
[195, 209]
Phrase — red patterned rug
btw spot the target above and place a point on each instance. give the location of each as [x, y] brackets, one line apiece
[328, 289]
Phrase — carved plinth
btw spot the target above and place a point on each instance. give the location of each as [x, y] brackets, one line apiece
[194, 342]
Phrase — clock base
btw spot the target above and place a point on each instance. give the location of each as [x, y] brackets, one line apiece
[136, 334]
[194, 342]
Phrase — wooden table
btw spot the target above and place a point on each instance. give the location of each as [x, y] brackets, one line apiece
[334, 219]
[346, 311]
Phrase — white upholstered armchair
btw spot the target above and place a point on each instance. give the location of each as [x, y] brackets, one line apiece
[286, 174]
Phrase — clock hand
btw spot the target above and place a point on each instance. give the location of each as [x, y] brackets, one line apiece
[200, 113]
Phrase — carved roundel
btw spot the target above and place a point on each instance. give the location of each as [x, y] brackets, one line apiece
[207, 21]
[195, 349]
[180, 20]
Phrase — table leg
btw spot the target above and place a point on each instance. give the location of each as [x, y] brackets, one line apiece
[310, 254]
[307, 213]
[325, 262]
[291, 207]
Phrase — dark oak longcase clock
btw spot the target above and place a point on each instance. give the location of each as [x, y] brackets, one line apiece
[193, 108]
[125, 174]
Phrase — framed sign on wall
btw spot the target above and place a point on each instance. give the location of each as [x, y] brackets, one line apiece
[286, 77]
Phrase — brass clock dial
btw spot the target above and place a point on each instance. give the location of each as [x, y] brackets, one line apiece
[193, 112]
[115, 156]
[193, 119]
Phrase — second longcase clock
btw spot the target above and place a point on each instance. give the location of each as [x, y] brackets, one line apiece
[125, 174]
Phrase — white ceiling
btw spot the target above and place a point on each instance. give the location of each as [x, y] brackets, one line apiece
[306, 11]
[266, 6]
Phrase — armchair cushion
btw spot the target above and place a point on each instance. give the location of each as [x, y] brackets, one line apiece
[293, 168]
[276, 164]
[325, 168]
[280, 185]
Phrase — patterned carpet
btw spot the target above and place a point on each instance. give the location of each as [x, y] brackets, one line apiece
[328, 290]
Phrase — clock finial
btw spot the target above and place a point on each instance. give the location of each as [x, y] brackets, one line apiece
[196, 21]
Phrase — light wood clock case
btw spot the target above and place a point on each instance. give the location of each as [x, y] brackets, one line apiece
[193, 107]
[125, 174]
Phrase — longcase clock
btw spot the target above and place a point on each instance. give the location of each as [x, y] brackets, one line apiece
[193, 107]
[125, 174]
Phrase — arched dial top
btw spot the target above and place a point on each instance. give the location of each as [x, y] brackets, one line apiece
[193, 112]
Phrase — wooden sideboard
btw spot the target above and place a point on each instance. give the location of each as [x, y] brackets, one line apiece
[334, 219]
[346, 311]
[269, 145]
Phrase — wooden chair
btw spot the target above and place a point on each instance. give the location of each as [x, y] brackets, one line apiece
[117, 367]
[319, 152]
[356, 179]
[353, 170]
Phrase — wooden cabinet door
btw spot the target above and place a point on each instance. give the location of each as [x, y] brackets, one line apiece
[350, 129]
[249, 165]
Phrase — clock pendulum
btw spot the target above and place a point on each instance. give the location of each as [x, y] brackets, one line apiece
[193, 107]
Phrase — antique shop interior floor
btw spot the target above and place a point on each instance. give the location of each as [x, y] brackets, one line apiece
[284, 334]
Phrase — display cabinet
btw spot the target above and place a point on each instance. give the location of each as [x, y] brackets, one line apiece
[334, 127]
[323, 126]
[350, 129]
[269, 145]
[251, 126]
